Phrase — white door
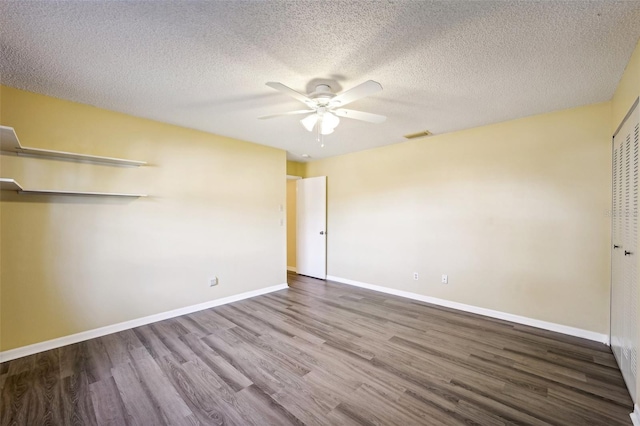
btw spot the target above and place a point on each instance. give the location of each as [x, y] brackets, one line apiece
[617, 260]
[311, 253]
[625, 256]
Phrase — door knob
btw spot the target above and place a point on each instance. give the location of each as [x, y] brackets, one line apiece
[321, 232]
[627, 253]
[615, 246]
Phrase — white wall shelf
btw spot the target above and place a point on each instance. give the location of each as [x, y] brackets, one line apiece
[9, 143]
[8, 184]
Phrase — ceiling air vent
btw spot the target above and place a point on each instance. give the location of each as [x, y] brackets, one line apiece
[418, 135]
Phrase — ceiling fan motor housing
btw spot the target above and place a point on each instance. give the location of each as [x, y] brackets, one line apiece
[322, 94]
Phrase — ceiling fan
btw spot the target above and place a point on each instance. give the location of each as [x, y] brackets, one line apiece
[326, 107]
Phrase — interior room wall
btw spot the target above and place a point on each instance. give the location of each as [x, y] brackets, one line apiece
[291, 224]
[71, 264]
[295, 168]
[516, 214]
[628, 89]
[627, 92]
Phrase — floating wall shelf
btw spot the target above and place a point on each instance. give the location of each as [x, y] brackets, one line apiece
[9, 142]
[7, 184]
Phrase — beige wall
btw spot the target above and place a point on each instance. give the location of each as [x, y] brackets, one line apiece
[72, 264]
[628, 89]
[626, 93]
[291, 223]
[295, 168]
[515, 213]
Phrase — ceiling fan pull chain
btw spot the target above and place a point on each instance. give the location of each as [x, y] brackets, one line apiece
[319, 135]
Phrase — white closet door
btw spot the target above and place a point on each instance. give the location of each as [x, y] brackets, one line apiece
[625, 255]
[631, 315]
[617, 299]
[311, 219]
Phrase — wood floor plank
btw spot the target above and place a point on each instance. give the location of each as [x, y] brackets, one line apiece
[256, 369]
[320, 353]
[217, 364]
[261, 409]
[211, 401]
[437, 413]
[152, 342]
[47, 389]
[98, 363]
[77, 410]
[163, 393]
[204, 409]
[16, 403]
[116, 349]
[587, 403]
[141, 408]
[479, 416]
[108, 406]
[21, 365]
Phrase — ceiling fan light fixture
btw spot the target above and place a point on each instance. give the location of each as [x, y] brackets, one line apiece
[309, 122]
[327, 122]
[330, 120]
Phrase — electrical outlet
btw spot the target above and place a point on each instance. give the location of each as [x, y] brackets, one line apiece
[213, 281]
[415, 276]
[445, 279]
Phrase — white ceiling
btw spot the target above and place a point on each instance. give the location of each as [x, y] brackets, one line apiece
[444, 66]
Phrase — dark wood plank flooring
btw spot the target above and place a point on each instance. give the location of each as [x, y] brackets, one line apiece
[320, 354]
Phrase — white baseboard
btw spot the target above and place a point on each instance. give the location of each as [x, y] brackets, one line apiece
[292, 268]
[635, 416]
[102, 331]
[572, 331]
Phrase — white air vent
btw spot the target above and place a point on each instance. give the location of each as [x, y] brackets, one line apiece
[418, 135]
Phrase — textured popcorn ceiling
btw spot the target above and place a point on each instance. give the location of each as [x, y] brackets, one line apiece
[444, 66]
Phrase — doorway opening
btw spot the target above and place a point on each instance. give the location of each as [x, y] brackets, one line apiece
[291, 222]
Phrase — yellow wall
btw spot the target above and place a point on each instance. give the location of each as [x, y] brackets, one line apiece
[626, 93]
[515, 213]
[71, 264]
[628, 89]
[295, 169]
[291, 223]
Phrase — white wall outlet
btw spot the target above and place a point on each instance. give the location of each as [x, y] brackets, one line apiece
[415, 276]
[445, 279]
[213, 281]
[281, 222]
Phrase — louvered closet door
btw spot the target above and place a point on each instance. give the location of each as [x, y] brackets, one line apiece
[625, 256]
[617, 299]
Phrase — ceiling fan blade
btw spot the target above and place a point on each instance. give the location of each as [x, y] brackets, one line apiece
[301, 111]
[363, 90]
[290, 92]
[359, 115]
